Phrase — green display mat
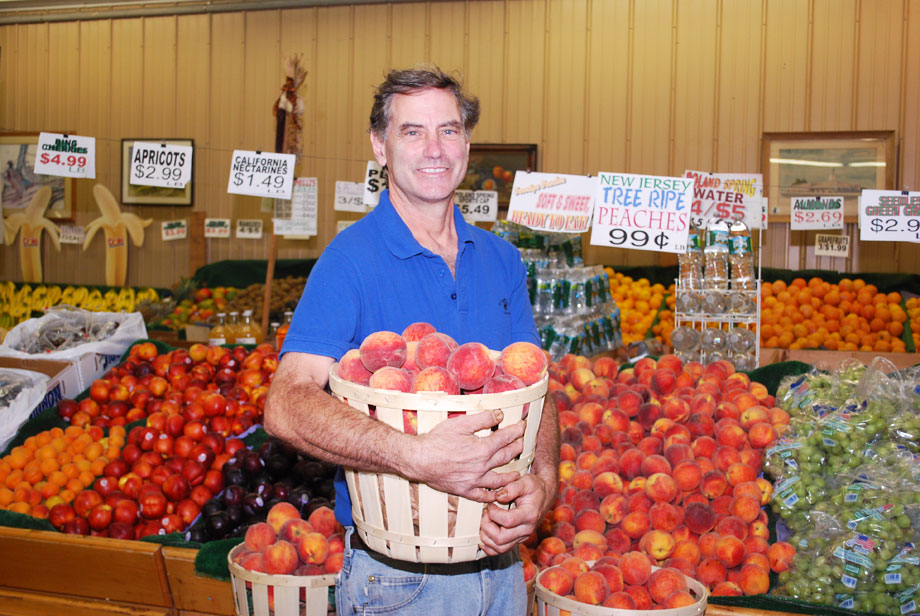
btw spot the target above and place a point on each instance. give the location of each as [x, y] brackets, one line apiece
[242, 273]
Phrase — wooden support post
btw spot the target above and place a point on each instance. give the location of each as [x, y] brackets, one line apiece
[197, 248]
[269, 276]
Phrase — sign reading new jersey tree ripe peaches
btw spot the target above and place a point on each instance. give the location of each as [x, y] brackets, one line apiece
[644, 212]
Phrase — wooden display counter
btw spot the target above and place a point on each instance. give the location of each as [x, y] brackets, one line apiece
[191, 593]
[829, 359]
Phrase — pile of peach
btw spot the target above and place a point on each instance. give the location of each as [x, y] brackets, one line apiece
[638, 301]
[849, 316]
[913, 312]
[53, 466]
[286, 544]
[659, 466]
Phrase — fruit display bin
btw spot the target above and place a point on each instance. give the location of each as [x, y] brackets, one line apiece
[261, 594]
[551, 604]
[382, 505]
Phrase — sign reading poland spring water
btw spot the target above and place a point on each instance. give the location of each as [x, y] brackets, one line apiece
[728, 196]
[552, 201]
[642, 211]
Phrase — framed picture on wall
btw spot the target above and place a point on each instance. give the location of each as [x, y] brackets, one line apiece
[17, 160]
[134, 194]
[492, 167]
[826, 164]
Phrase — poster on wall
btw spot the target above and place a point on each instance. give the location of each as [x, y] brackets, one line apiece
[552, 201]
[18, 152]
[643, 212]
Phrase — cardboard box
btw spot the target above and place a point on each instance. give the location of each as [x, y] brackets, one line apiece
[65, 379]
[197, 332]
[92, 366]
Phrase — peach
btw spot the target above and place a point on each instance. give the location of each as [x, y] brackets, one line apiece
[259, 536]
[252, 561]
[688, 476]
[351, 368]
[665, 516]
[281, 513]
[589, 552]
[605, 367]
[654, 464]
[755, 544]
[613, 508]
[502, 382]
[732, 436]
[751, 457]
[435, 378]
[323, 521]
[410, 366]
[757, 558]
[524, 360]
[616, 419]
[704, 447]
[678, 598]
[713, 484]
[711, 572]
[677, 453]
[567, 452]
[699, 518]
[549, 548]
[589, 536]
[567, 469]
[720, 505]
[636, 568]
[724, 457]
[629, 402]
[336, 543]
[700, 425]
[665, 581]
[766, 490]
[640, 597]
[591, 588]
[703, 403]
[663, 382]
[729, 550]
[687, 550]
[612, 574]
[740, 472]
[334, 563]
[650, 445]
[294, 528]
[585, 499]
[280, 558]
[726, 589]
[471, 364]
[590, 519]
[434, 350]
[392, 378]
[565, 531]
[661, 487]
[658, 544]
[580, 377]
[648, 414]
[598, 387]
[383, 348]
[780, 555]
[747, 488]
[558, 580]
[575, 565]
[681, 564]
[313, 548]
[606, 462]
[753, 415]
[631, 463]
[635, 524]
[754, 580]
[678, 434]
[592, 413]
[731, 525]
[620, 600]
[670, 362]
[617, 541]
[416, 331]
[745, 507]
[761, 435]
[607, 483]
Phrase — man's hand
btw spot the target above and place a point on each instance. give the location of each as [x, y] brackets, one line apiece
[451, 458]
[502, 529]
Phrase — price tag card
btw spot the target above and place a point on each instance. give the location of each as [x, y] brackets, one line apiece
[816, 213]
[643, 211]
[375, 180]
[889, 216]
[832, 245]
[249, 229]
[552, 201]
[343, 224]
[477, 205]
[161, 164]
[349, 197]
[727, 195]
[174, 230]
[261, 174]
[69, 156]
[72, 234]
[293, 226]
[217, 228]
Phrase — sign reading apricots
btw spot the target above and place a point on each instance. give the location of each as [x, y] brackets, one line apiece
[645, 212]
[552, 201]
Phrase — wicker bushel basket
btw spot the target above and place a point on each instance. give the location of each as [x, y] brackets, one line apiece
[382, 504]
[551, 604]
[261, 594]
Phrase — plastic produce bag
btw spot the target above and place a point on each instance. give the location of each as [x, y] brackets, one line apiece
[20, 392]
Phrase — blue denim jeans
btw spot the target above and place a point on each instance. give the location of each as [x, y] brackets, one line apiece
[371, 583]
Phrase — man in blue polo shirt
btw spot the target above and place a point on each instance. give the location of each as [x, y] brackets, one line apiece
[414, 258]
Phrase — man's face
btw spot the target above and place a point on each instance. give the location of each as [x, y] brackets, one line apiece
[425, 150]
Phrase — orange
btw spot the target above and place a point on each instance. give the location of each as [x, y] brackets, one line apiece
[894, 297]
[6, 497]
[20, 507]
[831, 343]
[799, 282]
[43, 438]
[881, 346]
[868, 311]
[882, 312]
[804, 297]
[877, 324]
[846, 284]
[766, 289]
[859, 284]
[895, 329]
[86, 478]
[832, 298]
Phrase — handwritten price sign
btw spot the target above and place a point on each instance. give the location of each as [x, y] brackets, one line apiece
[349, 197]
[66, 155]
[262, 174]
[477, 205]
[817, 213]
[174, 230]
[889, 216]
[164, 164]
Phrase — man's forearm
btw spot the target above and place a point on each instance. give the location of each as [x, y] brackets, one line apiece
[546, 456]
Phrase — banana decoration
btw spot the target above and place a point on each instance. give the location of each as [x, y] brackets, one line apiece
[30, 225]
[115, 222]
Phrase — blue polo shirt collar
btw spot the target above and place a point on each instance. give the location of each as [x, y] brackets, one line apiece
[400, 240]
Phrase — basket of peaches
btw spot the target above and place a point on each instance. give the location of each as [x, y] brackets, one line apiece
[412, 382]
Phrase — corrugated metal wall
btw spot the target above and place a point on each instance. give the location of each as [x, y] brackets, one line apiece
[642, 86]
